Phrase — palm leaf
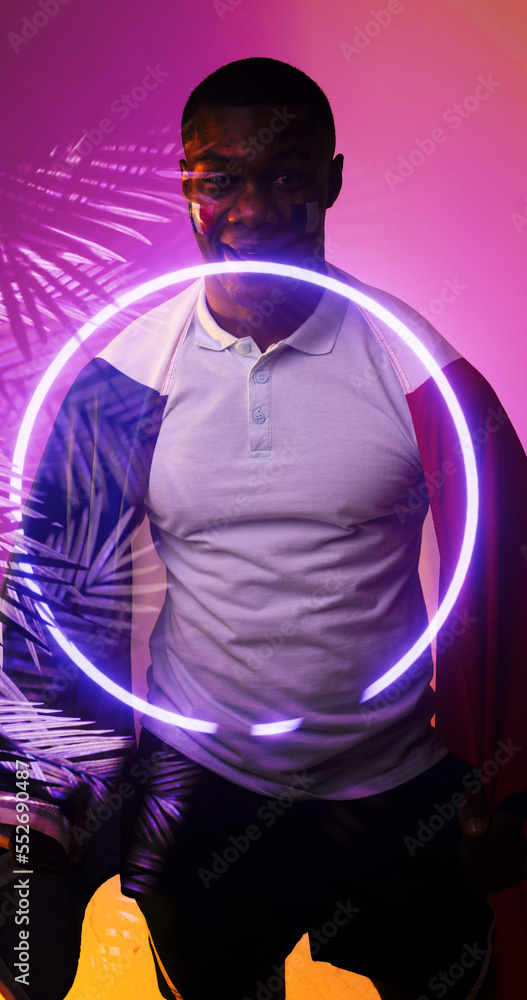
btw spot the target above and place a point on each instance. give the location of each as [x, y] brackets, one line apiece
[76, 232]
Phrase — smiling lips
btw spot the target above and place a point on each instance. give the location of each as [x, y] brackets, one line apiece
[257, 250]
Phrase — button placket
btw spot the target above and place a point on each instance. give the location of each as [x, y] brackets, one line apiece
[246, 352]
[259, 386]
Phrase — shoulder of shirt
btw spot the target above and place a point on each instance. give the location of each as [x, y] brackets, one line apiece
[144, 349]
[408, 367]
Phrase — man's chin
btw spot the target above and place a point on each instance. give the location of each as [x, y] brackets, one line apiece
[249, 288]
[246, 288]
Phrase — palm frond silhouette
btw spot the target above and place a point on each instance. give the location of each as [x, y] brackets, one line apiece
[75, 232]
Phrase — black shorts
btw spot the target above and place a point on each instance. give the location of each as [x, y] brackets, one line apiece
[230, 880]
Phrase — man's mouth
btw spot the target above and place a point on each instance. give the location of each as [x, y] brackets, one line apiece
[251, 252]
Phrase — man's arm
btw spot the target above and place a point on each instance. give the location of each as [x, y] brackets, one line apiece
[84, 505]
[494, 845]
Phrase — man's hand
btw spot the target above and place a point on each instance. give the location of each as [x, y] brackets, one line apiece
[493, 847]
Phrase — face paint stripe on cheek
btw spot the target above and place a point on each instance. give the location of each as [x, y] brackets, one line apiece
[304, 217]
[201, 217]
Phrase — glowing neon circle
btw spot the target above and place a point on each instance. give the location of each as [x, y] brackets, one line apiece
[400, 328]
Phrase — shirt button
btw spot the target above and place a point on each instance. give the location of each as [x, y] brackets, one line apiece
[244, 348]
[261, 376]
[259, 417]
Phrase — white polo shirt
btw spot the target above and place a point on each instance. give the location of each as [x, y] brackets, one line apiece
[292, 583]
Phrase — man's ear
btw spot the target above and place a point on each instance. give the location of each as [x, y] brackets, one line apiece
[184, 178]
[335, 179]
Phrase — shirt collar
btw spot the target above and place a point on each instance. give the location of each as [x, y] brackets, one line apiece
[316, 336]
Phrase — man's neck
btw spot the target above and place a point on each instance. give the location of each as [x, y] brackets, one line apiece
[286, 316]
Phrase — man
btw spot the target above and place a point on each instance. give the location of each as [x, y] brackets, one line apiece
[280, 484]
[258, 176]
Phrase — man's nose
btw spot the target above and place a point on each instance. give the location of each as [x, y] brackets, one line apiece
[250, 208]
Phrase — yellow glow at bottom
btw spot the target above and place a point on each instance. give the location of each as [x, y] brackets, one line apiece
[116, 962]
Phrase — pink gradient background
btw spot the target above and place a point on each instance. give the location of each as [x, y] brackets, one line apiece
[451, 220]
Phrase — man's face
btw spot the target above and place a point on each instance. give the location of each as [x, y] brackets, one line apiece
[259, 181]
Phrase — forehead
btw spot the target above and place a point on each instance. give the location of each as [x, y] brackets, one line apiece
[224, 130]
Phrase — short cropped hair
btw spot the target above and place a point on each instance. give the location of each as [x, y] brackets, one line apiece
[260, 81]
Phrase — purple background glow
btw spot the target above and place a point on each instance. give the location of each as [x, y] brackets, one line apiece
[81, 223]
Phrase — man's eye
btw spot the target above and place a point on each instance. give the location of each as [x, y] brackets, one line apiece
[286, 179]
[218, 180]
